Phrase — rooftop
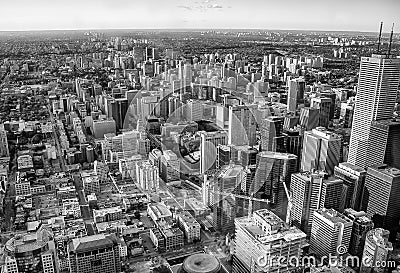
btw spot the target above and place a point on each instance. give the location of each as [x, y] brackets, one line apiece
[93, 242]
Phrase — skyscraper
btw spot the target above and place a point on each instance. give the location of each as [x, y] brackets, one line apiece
[119, 108]
[330, 229]
[209, 142]
[265, 235]
[295, 93]
[324, 105]
[311, 192]
[381, 193]
[361, 225]
[321, 150]
[242, 125]
[354, 180]
[273, 172]
[384, 143]
[226, 208]
[4, 152]
[376, 251]
[271, 134]
[309, 118]
[376, 97]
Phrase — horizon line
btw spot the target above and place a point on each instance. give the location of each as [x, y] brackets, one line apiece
[188, 29]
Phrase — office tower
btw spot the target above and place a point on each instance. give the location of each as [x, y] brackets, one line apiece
[147, 176]
[347, 113]
[102, 127]
[227, 208]
[223, 155]
[119, 109]
[4, 152]
[332, 95]
[311, 192]
[309, 118]
[293, 143]
[295, 93]
[201, 263]
[376, 97]
[273, 172]
[330, 229]
[381, 193]
[384, 143]
[321, 150]
[361, 226]
[222, 116]
[30, 252]
[170, 166]
[376, 251]
[324, 105]
[354, 179]
[97, 253]
[242, 125]
[291, 121]
[265, 235]
[209, 142]
[194, 110]
[244, 155]
[271, 134]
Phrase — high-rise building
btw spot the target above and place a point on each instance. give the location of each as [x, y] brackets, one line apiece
[330, 229]
[244, 155]
[170, 166]
[273, 172]
[381, 193]
[194, 110]
[321, 150]
[271, 134]
[265, 235]
[354, 180]
[293, 143]
[311, 192]
[227, 208]
[147, 176]
[376, 97]
[361, 225]
[309, 118]
[324, 105]
[119, 108]
[242, 125]
[209, 142]
[95, 254]
[4, 152]
[223, 155]
[376, 251]
[295, 93]
[384, 143]
[102, 127]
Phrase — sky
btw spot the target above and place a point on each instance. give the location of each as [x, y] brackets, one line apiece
[357, 15]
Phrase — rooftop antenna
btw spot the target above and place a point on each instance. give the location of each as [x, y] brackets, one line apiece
[390, 41]
[380, 36]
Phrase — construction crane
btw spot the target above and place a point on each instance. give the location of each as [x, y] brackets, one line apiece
[250, 198]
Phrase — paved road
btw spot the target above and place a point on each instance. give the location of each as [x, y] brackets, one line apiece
[56, 139]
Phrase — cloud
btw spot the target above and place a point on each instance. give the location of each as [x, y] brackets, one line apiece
[184, 7]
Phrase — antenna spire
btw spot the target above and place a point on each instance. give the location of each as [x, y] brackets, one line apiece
[380, 36]
[391, 40]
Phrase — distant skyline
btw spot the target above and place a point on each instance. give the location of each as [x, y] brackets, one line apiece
[338, 15]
